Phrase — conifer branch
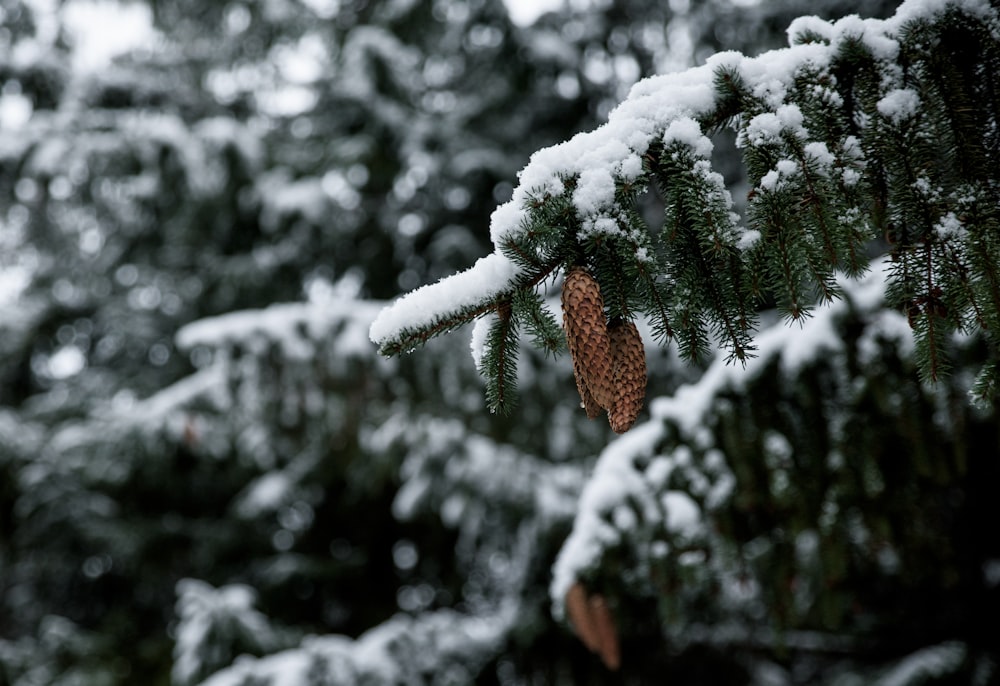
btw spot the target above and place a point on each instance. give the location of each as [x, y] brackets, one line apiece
[539, 322]
[860, 128]
[500, 360]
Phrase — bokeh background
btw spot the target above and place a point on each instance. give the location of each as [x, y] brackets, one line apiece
[203, 205]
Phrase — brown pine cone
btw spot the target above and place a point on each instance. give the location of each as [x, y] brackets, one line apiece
[587, 336]
[629, 357]
[607, 634]
[586, 397]
[591, 618]
[578, 610]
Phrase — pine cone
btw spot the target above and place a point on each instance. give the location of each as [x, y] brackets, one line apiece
[593, 622]
[578, 609]
[629, 357]
[587, 336]
[586, 397]
[607, 635]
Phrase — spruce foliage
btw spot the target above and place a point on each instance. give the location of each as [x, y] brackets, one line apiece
[861, 137]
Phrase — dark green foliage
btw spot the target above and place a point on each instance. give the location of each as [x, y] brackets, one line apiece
[859, 137]
[210, 457]
[500, 358]
[546, 333]
[815, 507]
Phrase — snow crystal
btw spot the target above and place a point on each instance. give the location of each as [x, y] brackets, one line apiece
[899, 105]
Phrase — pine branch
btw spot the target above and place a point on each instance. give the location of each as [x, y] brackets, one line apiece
[546, 332]
[408, 338]
[858, 130]
[499, 364]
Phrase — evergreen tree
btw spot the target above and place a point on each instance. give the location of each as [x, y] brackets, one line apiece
[208, 476]
[749, 522]
[859, 131]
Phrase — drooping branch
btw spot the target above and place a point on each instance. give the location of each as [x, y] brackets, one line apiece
[850, 134]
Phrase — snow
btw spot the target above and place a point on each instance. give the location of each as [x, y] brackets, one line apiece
[950, 227]
[619, 479]
[594, 191]
[104, 29]
[809, 24]
[13, 282]
[913, 10]
[201, 609]
[294, 326]
[899, 105]
[264, 494]
[526, 12]
[768, 127]
[665, 107]
[687, 131]
[485, 280]
[926, 664]
[683, 514]
[401, 650]
[477, 343]
[15, 111]
[819, 152]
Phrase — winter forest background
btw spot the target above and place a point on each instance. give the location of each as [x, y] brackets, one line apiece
[209, 475]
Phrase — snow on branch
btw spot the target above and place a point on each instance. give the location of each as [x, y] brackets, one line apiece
[296, 327]
[654, 490]
[840, 149]
[401, 650]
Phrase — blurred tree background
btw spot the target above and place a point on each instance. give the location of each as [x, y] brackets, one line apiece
[202, 457]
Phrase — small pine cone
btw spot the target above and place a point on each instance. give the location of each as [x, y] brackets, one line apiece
[587, 336]
[607, 634]
[578, 609]
[629, 357]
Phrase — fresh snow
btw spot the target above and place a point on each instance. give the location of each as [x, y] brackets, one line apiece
[618, 479]
[487, 278]
[899, 105]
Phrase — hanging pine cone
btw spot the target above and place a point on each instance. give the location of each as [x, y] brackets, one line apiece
[593, 622]
[629, 374]
[586, 397]
[587, 336]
